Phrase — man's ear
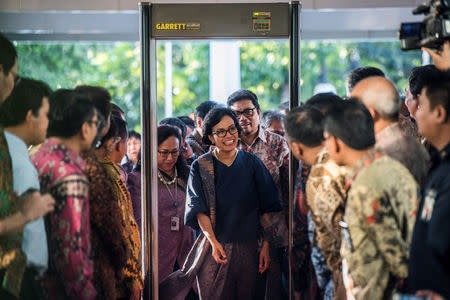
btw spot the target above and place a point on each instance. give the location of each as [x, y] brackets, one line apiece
[199, 122]
[441, 114]
[373, 113]
[84, 130]
[29, 117]
[297, 150]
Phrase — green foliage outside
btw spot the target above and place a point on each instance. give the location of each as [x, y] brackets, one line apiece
[264, 69]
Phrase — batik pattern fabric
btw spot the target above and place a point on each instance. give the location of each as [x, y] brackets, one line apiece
[272, 149]
[393, 141]
[132, 272]
[61, 173]
[12, 258]
[318, 260]
[325, 195]
[109, 244]
[301, 251]
[380, 214]
[195, 141]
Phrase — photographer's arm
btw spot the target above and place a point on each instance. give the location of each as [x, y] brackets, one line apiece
[441, 58]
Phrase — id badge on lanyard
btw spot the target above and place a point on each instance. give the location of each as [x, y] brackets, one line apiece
[428, 205]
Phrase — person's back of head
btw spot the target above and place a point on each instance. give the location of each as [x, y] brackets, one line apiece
[8, 67]
[203, 108]
[380, 95]
[305, 125]
[323, 101]
[177, 123]
[187, 121]
[351, 122]
[100, 97]
[8, 54]
[69, 110]
[243, 95]
[116, 139]
[359, 74]
[27, 95]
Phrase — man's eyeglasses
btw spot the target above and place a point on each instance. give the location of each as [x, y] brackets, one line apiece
[165, 154]
[222, 132]
[246, 112]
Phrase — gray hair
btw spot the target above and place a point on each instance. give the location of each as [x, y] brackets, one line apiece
[269, 116]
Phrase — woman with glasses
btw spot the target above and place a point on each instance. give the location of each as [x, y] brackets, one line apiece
[175, 240]
[230, 193]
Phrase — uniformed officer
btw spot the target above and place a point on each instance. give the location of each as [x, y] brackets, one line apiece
[380, 209]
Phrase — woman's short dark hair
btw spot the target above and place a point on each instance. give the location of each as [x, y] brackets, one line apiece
[165, 131]
[69, 110]
[28, 94]
[351, 122]
[243, 95]
[187, 121]
[213, 118]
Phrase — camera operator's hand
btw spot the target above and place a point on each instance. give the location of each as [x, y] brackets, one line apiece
[441, 58]
[34, 205]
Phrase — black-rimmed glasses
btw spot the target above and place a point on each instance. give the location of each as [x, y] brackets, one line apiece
[222, 132]
[165, 154]
[246, 112]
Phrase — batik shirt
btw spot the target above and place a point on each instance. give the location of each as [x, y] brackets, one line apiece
[132, 271]
[380, 214]
[61, 173]
[195, 141]
[325, 195]
[12, 258]
[272, 149]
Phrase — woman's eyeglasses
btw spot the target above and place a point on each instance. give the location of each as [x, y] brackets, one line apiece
[165, 154]
[223, 132]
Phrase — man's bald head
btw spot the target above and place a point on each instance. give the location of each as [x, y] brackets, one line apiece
[379, 94]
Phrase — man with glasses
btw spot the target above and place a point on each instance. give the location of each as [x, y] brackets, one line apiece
[273, 151]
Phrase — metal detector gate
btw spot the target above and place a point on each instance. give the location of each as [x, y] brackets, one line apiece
[203, 21]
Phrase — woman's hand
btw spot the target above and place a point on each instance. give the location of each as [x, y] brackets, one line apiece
[218, 253]
[264, 257]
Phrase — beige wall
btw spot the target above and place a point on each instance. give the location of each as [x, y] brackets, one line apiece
[115, 5]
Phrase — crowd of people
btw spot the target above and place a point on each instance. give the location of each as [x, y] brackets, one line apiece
[371, 213]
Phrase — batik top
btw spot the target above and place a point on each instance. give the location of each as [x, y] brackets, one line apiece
[61, 173]
[132, 271]
[195, 141]
[12, 258]
[380, 213]
[272, 149]
[325, 195]
[244, 191]
[109, 244]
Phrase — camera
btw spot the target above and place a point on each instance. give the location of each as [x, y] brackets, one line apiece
[432, 31]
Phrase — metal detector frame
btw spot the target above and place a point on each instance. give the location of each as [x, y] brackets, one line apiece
[221, 21]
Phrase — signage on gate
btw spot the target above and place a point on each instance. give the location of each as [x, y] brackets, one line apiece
[177, 26]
